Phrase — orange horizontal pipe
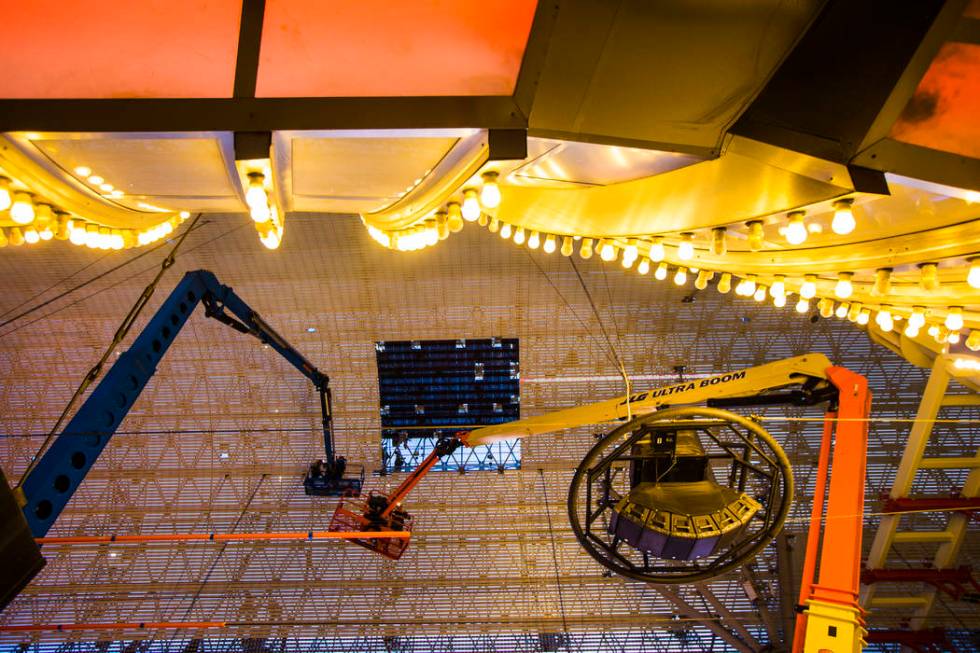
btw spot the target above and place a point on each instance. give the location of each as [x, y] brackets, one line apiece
[226, 537]
[143, 625]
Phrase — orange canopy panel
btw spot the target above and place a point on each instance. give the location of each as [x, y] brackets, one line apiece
[119, 48]
[360, 48]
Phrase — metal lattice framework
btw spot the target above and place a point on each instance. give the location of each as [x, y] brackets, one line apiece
[223, 433]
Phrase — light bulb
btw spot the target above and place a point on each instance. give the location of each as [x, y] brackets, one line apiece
[271, 239]
[585, 251]
[490, 193]
[76, 235]
[631, 251]
[973, 276]
[95, 180]
[918, 317]
[442, 225]
[22, 208]
[4, 194]
[842, 310]
[844, 287]
[680, 277]
[973, 341]
[534, 240]
[796, 232]
[627, 262]
[854, 312]
[471, 205]
[843, 222]
[826, 307]
[803, 305]
[657, 252]
[607, 251]
[954, 318]
[16, 237]
[661, 272]
[505, 231]
[46, 233]
[911, 331]
[644, 266]
[929, 276]
[685, 249]
[725, 283]
[749, 288]
[719, 244]
[519, 236]
[483, 220]
[104, 238]
[260, 213]
[809, 288]
[884, 319]
[701, 282]
[760, 294]
[933, 330]
[83, 171]
[3, 238]
[942, 336]
[454, 217]
[778, 286]
[91, 236]
[116, 240]
[883, 282]
[549, 244]
[953, 337]
[567, 246]
[756, 234]
[779, 301]
[31, 236]
[864, 317]
[815, 228]
[256, 195]
[494, 225]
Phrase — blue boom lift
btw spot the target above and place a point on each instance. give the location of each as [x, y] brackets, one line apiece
[30, 510]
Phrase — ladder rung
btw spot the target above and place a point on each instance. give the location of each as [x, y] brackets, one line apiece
[950, 462]
[898, 601]
[923, 536]
[961, 400]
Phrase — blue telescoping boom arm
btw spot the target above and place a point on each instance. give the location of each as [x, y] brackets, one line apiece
[64, 465]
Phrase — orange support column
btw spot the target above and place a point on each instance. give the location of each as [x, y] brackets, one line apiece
[833, 619]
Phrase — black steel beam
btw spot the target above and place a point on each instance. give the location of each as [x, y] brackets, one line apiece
[259, 114]
[249, 44]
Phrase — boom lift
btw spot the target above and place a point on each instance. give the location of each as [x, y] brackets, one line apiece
[644, 502]
[30, 510]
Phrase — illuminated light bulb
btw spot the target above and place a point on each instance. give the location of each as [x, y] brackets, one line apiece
[685, 249]
[680, 277]
[631, 251]
[749, 287]
[455, 217]
[5, 200]
[585, 251]
[76, 235]
[628, 262]
[567, 246]
[933, 330]
[271, 240]
[116, 240]
[884, 318]
[815, 228]
[911, 331]
[22, 208]
[973, 341]
[756, 234]
[929, 276]
[494, 225]
[883, 282]
[953, 337]
[864, 317]
[844, 287]
[918, 317]
[105, 238]
[803, 305]
[657, 252]
[255, 194]
[166, 228]
[106, 188]
[661, 272]
[129, 238]
[796, 232]
[260, 213]
[31, 236]
[973, 276]
[779, 301]
[701, 282]
[778, 286]
[826, 307]
[95, 180]
[842, 309]
[725, 283]
[442, 226]
[490, 192]
[483, 220]
[519, 236]
[83, 171]
[505, 231]
[644, 266]
[942, 336]
[809, 288]
[607, 251]
[549, 244]
[16, 237]
[184, 215]
[954, 318]
[471, 205]
[534, 240]
[854, 311]
[62, 226]
[91, 236]
[844, 221]
[719, 244]
[760, 294]
[45, 232]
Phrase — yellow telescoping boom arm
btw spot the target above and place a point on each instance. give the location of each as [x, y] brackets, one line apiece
[809, 370]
